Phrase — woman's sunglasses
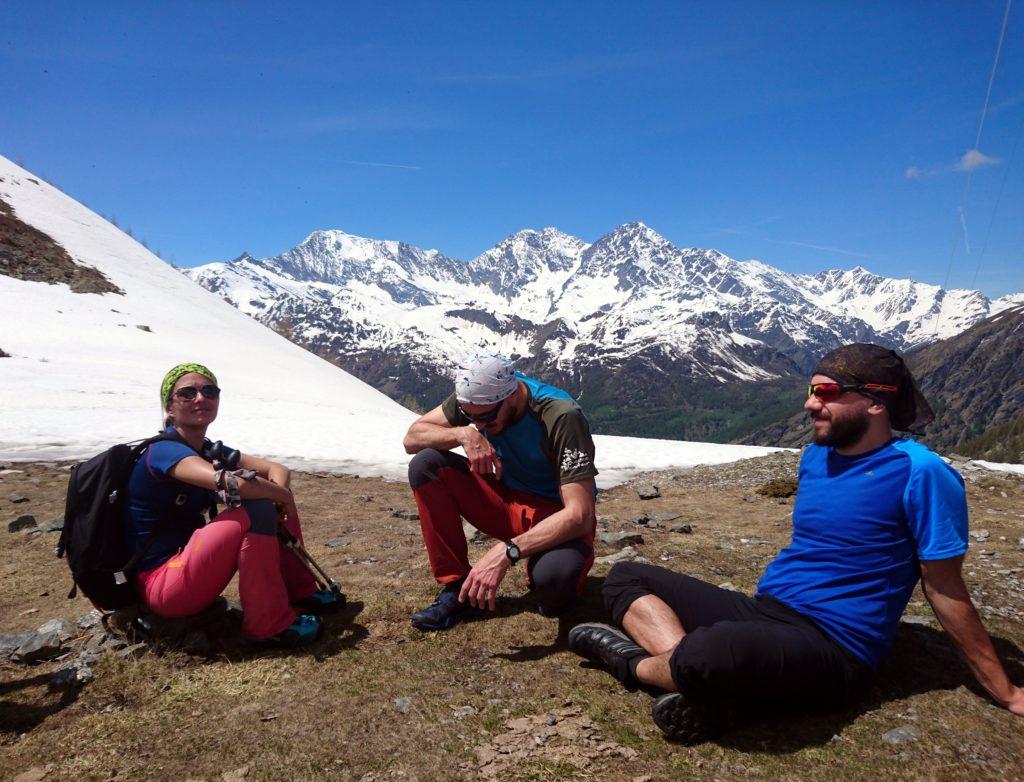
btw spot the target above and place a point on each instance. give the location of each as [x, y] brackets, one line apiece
[830, 392]
[483, 418]
[190, 392]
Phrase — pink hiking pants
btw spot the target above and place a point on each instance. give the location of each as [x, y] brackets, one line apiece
[270, 578]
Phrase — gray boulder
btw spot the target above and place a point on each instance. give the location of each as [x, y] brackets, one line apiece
[40, 646]
[618, 539]
[62, 627]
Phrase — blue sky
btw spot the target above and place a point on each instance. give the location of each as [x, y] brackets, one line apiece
[808, 135]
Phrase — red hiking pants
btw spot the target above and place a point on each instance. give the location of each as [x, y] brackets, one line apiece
[270, 578]
[446, 491]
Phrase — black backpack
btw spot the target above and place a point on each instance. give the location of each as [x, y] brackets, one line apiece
[93, 538]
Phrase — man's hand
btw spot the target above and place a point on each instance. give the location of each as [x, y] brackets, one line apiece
[483, 459]
[1016, 702]
[481, 585]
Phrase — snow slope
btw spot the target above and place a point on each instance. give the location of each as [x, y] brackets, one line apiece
[82, 375]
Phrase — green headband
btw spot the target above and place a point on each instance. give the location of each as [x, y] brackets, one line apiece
[177, 374]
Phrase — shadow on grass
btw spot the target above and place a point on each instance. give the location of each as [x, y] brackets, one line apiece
[588, 607]
[22, 717]
[920, 661]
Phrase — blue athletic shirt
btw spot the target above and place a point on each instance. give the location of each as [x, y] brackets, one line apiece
[546, 448]
[861, 524]
[154, 495]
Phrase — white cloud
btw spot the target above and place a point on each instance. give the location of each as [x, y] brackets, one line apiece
[974, 159]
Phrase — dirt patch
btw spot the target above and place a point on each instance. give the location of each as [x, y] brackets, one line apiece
[26, 253]
[376, 700]
[564, 737]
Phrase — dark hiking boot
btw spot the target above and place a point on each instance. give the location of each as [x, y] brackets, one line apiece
[610, 648]
[323, 601]
[690, 722]
[446, 611]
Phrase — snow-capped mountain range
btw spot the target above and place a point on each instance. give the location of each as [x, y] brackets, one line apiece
[378, 308]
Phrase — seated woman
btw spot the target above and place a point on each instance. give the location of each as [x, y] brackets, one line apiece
[184, 565]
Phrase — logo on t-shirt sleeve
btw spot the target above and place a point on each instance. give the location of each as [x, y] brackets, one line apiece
[573, 460]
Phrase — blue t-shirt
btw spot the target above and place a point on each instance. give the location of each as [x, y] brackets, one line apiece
[546, 448]
[154, 496]
[861, 524]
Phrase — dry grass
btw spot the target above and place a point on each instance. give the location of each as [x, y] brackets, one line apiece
[329, 712]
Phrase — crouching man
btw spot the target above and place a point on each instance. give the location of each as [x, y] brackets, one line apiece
[872, 515]
[528, 481]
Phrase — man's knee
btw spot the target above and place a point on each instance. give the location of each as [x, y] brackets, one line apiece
[556, 574]
[424, 466]
[702, 666]
[623, 585]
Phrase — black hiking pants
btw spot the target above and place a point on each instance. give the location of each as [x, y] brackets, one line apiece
[740, 650]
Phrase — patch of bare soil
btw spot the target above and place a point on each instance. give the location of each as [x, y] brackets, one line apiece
[500, 698]
[26, 253]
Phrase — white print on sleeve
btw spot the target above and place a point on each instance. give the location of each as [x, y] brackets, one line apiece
[573, 460]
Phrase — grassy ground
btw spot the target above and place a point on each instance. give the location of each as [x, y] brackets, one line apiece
[500, 698]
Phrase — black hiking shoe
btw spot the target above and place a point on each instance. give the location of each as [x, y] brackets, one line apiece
[446, 611]
[608, 647]
[690, 722]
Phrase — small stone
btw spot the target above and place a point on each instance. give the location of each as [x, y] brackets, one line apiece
[550, 719]
[647, 491]
[73, 675]
[749, 498]
[22, 522]
[685, 529]
[463, 711]
[618, 539]
[904, 734]
[62, 627]
[34, 774]
[728, 585]
[403, 704]
[917, 620]
[133, 652]
[237, 775]
[663, 516]
[11, 472]
[338, 542]
[364, 498]
[90, 620]
[53, 525]
[622, 555]
[40, 646]
[17, 499]
[408, 515]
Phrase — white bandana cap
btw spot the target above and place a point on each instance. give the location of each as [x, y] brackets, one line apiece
[485, 379]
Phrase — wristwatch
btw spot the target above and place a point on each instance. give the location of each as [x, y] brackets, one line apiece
[512, 552]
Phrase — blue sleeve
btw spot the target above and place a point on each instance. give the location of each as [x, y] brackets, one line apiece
[162, 456]
[936, 506]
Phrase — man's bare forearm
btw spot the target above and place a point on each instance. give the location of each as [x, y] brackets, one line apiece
[423, 435]
[959, 619]
[566, 524]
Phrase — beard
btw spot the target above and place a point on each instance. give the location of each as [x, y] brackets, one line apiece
[843, 431]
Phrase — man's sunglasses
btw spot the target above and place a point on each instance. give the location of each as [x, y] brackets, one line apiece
[483, 418]
[830, 392]
[209, 391]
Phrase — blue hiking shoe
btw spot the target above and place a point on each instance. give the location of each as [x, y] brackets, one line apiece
[323, 601]
[304, 630]
[446, 611]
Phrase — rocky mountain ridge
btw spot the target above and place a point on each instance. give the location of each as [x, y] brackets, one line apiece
[627, 314]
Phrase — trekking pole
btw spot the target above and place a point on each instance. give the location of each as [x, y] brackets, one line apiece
[323, 581]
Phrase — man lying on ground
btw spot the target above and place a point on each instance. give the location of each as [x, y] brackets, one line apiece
[872, 515]
[528, 481]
